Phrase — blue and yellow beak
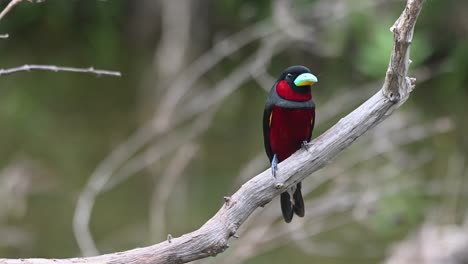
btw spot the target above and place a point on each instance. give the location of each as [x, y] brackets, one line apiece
[305, 79]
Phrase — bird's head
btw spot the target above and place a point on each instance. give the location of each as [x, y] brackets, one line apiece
[299, 78]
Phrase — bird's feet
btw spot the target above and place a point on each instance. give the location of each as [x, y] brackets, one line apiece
[305, 145]
[274, 165]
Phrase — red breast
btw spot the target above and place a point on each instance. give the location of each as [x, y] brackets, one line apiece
[289, 128]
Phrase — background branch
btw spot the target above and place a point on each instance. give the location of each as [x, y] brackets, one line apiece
[31, 67]
[9, 7]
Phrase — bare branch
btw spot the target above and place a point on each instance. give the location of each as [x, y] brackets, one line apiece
[162, 192]
[175, 38]
[213, 236]
[30, 67]
[397, 85]
[9, 7]
[286, 21]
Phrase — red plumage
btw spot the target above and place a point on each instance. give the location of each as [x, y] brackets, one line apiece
[284, 91]
[289, 128]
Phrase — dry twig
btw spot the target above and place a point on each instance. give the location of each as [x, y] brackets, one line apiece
[30, 67]
[9, 7]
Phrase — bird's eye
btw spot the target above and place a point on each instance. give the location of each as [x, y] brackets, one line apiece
[289, 75]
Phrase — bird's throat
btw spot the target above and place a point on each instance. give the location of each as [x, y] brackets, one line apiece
[296, 93]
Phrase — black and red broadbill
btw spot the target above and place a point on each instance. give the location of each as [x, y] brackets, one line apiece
[288, 121]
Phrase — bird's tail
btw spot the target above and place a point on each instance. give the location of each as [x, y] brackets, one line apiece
[295, 205]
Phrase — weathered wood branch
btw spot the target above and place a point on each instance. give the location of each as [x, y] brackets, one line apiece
[212, 238]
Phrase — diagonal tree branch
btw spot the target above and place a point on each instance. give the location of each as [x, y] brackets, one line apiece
[212, 238]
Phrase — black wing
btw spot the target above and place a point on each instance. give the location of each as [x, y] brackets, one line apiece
[312, 124]
[266, 122]
[266, 128]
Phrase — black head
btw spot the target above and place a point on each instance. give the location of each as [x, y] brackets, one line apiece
[299, 78]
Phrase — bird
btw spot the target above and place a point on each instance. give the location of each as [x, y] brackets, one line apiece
[288, 122]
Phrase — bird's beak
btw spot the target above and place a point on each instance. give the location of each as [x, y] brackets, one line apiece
[305, 79]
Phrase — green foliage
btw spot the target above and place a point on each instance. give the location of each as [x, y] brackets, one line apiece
[373, 55]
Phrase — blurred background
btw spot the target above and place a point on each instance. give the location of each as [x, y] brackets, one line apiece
[96, 164]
